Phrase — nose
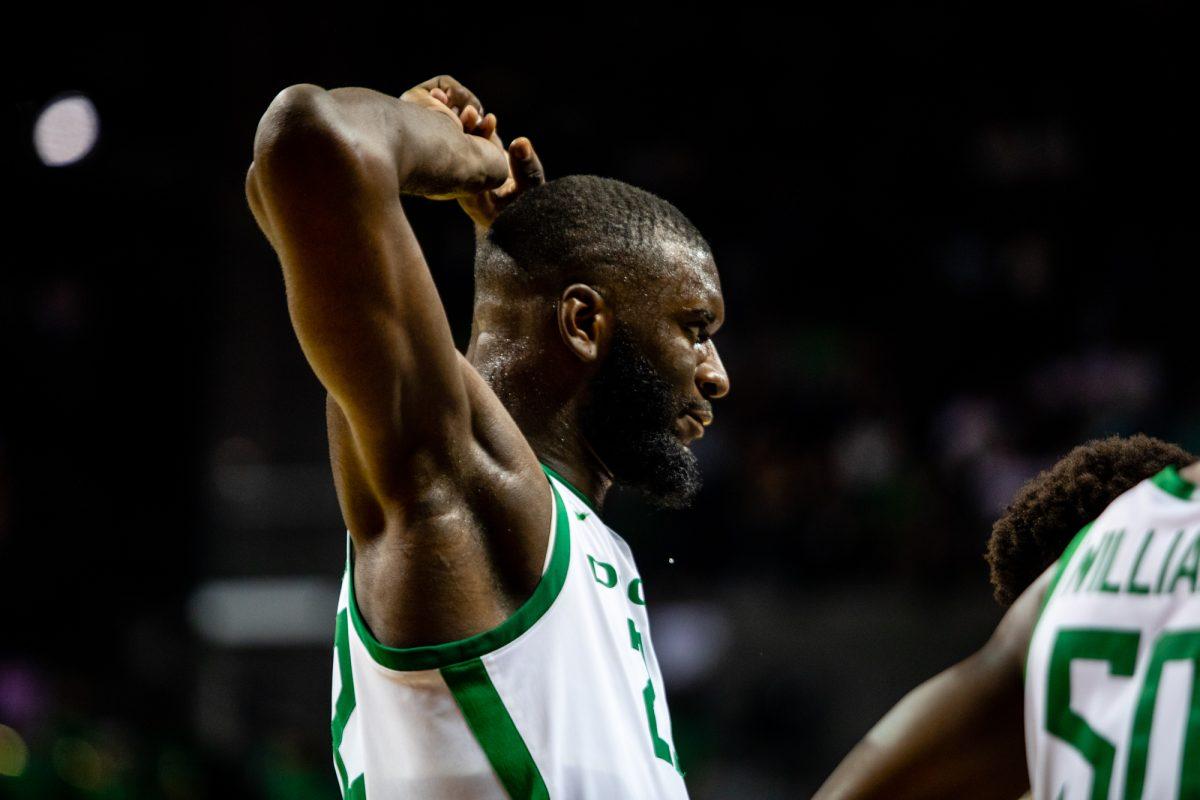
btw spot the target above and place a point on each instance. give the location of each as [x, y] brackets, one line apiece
[711, 378]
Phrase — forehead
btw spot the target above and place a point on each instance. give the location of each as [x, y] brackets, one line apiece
[689, 278]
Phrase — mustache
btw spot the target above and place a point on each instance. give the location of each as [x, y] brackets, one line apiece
[702, 410]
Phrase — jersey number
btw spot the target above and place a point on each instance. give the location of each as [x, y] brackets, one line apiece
[1119, 649]
[662, 748]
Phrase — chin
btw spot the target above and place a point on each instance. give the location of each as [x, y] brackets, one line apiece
[664, 471]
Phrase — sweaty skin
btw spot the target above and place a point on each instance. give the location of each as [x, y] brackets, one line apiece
[439, 483]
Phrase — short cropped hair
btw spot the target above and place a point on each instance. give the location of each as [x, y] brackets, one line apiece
[1049, 510]
[570, 228]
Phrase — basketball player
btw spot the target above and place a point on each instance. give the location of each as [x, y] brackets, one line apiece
[491, 635]
[1093, 675]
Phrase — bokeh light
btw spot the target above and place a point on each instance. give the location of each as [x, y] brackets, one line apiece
[14, 754]
[66, 131]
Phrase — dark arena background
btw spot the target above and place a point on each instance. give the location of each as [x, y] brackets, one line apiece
[952, 247]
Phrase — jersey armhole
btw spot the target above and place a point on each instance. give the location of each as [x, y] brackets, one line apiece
[437, 656]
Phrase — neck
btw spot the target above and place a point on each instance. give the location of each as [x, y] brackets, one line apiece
[559, 443]
[1191, 473]
[552, 428]
[547, 412]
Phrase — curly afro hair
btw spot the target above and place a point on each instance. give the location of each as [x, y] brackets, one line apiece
[1049, 510]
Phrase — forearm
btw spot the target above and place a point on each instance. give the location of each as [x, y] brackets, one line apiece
[399, 146]
[957, 735]
[427, 153]
[325, 186]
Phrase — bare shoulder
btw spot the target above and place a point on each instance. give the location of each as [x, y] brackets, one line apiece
[456, 547]
[1010, 641]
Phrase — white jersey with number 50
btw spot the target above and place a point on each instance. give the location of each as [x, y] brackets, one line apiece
[562, 700]
[1112, 684]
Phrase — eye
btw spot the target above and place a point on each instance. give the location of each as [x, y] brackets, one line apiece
[698, 332]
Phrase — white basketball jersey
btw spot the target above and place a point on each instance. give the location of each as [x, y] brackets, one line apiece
[1112, 684]
[562, 700]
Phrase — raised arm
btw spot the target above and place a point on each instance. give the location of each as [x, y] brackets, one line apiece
[444, 498]
[959, 734]
[329, 168]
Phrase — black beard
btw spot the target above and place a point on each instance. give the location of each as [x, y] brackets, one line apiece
[630, 424]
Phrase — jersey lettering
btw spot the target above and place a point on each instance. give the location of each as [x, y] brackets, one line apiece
[1118, 648]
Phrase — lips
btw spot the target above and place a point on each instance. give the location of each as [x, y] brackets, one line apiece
[693, 422]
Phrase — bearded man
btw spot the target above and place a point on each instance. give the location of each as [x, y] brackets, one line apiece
[491, 636]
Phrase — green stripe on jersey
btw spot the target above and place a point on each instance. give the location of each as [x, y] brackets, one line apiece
[1171, 482]
[351, 789]
[494, 729]
[568, 484]
[1063, 561]
[443, 655]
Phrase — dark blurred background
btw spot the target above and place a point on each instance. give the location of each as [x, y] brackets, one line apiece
[953, 245]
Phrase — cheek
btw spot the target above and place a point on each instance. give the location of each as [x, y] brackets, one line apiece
[679, 364]
[673, 355]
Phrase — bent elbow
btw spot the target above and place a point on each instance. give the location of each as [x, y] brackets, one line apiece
[298, 112]
[303, 143]
[299, 96]
[309, 149]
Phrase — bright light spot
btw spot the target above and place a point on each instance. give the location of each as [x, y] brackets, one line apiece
[66, 131]
[670, 561]
[690, 639]
[14, 755]
[264, 611]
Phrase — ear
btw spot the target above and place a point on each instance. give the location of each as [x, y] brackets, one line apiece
[584, 322]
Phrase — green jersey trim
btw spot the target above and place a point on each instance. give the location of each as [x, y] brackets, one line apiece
[351, 790]
[1171, 482]
[1063, 561]
[573, 490]
[436, 656]
[494, 729]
